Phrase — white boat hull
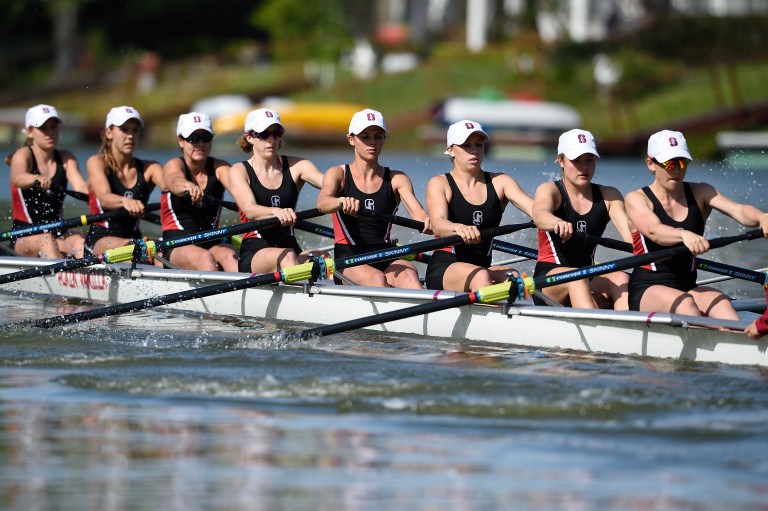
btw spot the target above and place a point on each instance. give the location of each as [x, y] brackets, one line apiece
[625, 333]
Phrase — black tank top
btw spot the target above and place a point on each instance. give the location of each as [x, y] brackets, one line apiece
[683, 266]
[43, 206]
[178, 213]
[124, 226]
[285, 196]
[365, 230]
[484, 216]
[574, 253]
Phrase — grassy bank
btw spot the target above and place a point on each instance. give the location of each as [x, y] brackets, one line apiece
[407, 98]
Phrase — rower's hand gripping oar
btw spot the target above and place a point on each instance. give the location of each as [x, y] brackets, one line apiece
[519, 287]
[758, 277]
[312, 270]
[149, 248]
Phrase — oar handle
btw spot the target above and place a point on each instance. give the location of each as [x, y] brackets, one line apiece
[397, 220]
[702, 264]
[223, 232]
[232, 206]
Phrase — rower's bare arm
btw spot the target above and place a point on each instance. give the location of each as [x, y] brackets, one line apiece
[307, 172]
[153, 175]
[96, 168]
[174, 179]
[21, 170]
[328, 200]
[516, 195]
[241, 192]
[545, 202]
[72, 169]
[222, 172]
[438, 197]
[614, 201]
[640, 214]
[403, 187]
[745, 214]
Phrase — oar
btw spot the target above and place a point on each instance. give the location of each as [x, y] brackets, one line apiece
[77, 195]
[130, 252]
[310, 270]
[520, 287]
[758, 277]
[67, 223]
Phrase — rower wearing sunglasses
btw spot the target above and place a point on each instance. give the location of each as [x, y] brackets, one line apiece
[671, 211]
[267, 185]
[196, 182]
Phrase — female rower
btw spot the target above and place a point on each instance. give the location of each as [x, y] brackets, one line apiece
[366, 183]
[119, 180]
[195, 181]
[267, 185]
[39, 175]
[464, 201]
[575, 204]
[672, 211]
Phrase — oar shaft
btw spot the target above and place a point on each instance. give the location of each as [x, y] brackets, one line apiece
[154, 301]
[386, 317]
[314, 228]
[397, 220]
[66, 223]
[511, 248]
[223, 232]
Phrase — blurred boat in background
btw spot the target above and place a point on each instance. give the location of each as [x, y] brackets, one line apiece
[519, 127]
[314, 122]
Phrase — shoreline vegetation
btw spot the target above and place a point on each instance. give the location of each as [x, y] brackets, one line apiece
[700, 98]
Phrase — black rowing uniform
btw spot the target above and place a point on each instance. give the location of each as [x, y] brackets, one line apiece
[285, 196]
[355, 235]
[679, 272]
[122, 226]
[181, 218]
[33, 206]
[554, 253]
[484, 216]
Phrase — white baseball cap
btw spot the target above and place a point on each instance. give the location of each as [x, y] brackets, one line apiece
[459, 132]
[191, 122]
[365, 118]
[122, 114]
[574, 143]
[261, 119]
[37, 115]
[666, 144]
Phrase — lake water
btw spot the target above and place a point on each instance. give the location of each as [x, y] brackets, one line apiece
[190, 412]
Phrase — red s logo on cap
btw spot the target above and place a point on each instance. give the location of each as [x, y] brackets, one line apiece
[672, 141]
[582, 138]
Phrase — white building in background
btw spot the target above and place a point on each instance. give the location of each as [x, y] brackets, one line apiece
[578, 20]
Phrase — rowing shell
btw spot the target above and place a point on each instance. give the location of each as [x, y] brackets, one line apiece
[608, 331]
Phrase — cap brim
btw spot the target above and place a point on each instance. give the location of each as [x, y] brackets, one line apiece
[573, 154]
[669, 154]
